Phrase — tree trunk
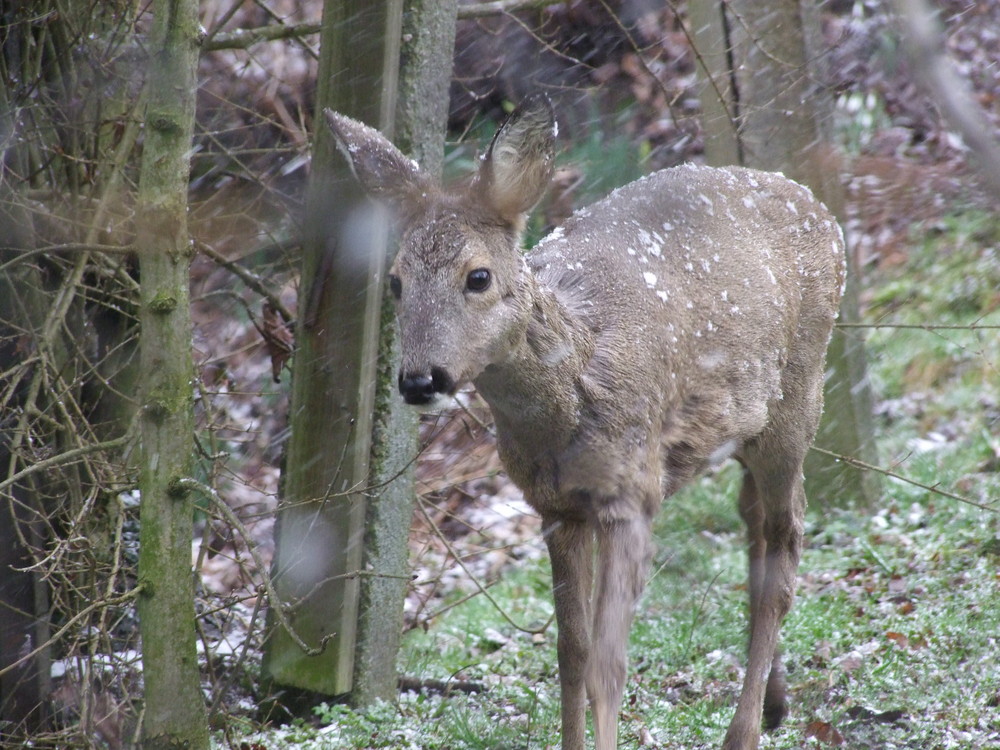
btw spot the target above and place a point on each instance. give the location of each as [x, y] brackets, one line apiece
[421, 118]
[719, 105]
[174, 714]
[321, 524]
[765, 65]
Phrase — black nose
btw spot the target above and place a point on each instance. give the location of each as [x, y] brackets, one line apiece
[418, 389]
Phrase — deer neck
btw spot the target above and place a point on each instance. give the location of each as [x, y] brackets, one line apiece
[535, 390]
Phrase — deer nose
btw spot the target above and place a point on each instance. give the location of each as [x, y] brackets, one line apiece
[416, 388]
[419, 389]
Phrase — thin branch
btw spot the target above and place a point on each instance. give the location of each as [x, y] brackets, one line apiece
[66, 457]
[444, 687]
[226, 18]
[244, 38]
[438, 612]
[482, 589]
[859, 464]
[45, 344]
[703, 64]
[248, 277]
[69, 247]
[479, 10]
[276, 604]
[670, 100]
[93, 606]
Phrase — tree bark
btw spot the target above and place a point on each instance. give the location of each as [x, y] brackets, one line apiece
[421, 119]
[321, 523]
[174, 714]
[923, 43]
[783, 123]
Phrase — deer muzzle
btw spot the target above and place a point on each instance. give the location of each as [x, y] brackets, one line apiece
[421, 389]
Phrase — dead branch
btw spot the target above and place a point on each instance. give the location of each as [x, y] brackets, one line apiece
[480, 10]
[482, 589]
[444, 687]
[68, 247]
[936, 72]
[80, 615]
[276, 604]
[249, 278]
[245, 38]
[857, 463]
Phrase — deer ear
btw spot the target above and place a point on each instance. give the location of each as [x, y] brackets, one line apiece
[381, 168]
[517, 167]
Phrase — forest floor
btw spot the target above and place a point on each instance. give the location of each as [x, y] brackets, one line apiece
[893, 639]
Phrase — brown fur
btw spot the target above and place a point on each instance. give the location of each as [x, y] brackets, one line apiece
[682, 320]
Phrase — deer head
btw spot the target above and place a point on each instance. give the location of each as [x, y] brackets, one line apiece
[462, 289]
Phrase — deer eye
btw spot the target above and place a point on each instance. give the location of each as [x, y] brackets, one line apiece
[395, 286]
[478, 280]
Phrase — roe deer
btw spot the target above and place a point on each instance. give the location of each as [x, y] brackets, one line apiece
[681, 320]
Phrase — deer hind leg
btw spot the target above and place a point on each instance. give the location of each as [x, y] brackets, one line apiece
[623, 559]
[772, 502]
[752, 513]
[571, 552]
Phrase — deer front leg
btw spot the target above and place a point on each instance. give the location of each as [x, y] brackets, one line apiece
[623, 558]
[571, 548]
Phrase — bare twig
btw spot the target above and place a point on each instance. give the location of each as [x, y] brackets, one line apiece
[441, 610]
[248, 277]
[670, 100]
[482, 589]
[69, 247]
[244, 38]
[444, 687]
[923, 326]
[85, 612]
[498, 7]
[276, 604]
[222, 21]
[703, 65]
[63, 458]
[859, 464]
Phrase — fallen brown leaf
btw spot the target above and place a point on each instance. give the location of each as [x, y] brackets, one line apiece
[898, 638]
[825, 732]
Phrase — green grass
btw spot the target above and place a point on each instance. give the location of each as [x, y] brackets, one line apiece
[893, 640]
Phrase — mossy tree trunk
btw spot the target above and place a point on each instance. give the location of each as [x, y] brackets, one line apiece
[320, 534]
[421, 119]
[775, 116]
[174, 714]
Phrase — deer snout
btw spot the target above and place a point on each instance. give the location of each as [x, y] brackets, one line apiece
[420, 389]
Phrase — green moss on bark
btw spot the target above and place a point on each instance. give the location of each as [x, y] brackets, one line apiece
[174, 713]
